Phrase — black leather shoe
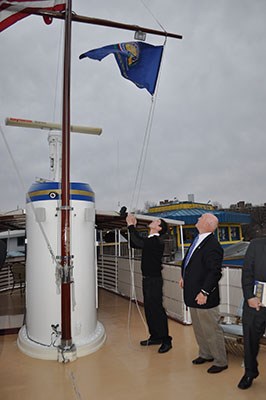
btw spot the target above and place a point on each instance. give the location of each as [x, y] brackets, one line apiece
[150, 342]
[201, 360]
[245, 382]
[165, 347]
[214, 369]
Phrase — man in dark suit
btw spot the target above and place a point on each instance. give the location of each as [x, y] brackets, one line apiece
[152, 281]
[201, 272]
[254, 312]
[2, 253]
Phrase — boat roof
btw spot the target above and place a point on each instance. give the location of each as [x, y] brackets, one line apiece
[12, 234]
[105, 220]
[190, 216]
[113, 220]
[12, 222]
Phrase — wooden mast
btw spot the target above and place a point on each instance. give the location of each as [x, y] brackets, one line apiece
[66, 337]
[66, 259]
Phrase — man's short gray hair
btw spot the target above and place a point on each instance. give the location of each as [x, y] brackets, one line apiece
[212, 221]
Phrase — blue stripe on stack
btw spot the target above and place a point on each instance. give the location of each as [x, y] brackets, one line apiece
[43, 191]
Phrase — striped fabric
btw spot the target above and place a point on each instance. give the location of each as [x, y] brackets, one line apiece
[12, 11]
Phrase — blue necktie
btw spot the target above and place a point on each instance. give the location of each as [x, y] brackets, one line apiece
[192, 247]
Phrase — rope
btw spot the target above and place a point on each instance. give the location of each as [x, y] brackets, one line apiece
[139, 178]
[141, 160]
[75, 385]
[133, 296]
[146, 140]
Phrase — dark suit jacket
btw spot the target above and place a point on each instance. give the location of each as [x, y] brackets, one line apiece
[152, 252]
[2, 252]
[254, 267]
[204, 270]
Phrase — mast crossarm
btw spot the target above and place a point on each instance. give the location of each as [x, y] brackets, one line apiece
[51, 126]
[105, 22]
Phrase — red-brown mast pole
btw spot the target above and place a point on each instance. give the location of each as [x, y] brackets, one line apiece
[105, 22]
[66, 339]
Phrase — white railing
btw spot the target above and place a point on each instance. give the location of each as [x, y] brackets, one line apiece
[123, 276]
[6, 278]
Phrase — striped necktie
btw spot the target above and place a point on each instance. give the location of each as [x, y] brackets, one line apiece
[190, 251]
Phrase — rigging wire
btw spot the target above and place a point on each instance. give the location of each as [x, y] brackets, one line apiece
[57, 69]
[155, 19]
[118, 171]
[139, 180]
[150, 122]
[48, 244]
[133, 297]
[21, 181]
[145, 145]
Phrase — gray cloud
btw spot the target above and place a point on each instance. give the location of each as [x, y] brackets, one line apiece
[208, 135]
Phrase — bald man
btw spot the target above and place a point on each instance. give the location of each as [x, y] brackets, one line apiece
[201, 272]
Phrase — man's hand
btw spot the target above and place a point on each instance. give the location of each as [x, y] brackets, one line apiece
[131, 220]
[254, 303]
[181, 283]
[201, 299]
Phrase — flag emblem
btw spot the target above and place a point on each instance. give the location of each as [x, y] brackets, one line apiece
[132, 51]
[138, 62]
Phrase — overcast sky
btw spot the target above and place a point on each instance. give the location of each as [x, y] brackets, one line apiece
[209, 128]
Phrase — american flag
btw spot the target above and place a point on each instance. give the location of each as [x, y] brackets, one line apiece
[12, 11]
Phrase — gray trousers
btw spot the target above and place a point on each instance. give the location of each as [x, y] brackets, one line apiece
[209, 334]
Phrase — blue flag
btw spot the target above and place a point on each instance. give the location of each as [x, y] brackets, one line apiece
[139, 62]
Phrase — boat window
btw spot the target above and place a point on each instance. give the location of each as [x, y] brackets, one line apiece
[189, 234]
[235, 233]
[223, 233]
[21, 241]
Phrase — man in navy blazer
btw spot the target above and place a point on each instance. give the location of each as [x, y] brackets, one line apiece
[254, 312]
[2, 253]
[201, 272]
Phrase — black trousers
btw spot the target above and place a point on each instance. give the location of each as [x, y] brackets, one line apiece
[154, 311]
[254, 324]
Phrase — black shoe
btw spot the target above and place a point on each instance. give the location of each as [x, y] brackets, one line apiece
[150, 342]
[246, 382]
[214, 369]
[201, 360]
[165, 347]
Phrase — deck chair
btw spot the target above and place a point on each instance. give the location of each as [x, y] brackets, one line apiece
[18, 274]
[231, 325]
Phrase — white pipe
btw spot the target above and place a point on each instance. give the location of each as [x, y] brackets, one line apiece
[182, 242]
[27, 123]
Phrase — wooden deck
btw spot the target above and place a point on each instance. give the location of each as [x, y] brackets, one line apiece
[121, 369]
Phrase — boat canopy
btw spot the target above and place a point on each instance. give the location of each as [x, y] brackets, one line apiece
[190, 216]
[113, 220]
[105, 220]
